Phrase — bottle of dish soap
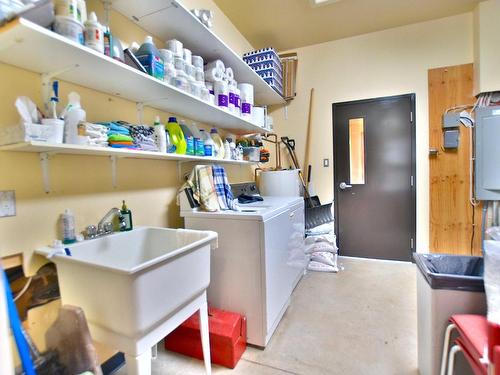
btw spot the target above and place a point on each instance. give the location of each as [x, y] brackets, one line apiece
[127, 217]
[68, 227]
[150, 58]
[176, 135]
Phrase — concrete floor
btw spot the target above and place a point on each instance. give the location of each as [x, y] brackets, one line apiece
[359, 321]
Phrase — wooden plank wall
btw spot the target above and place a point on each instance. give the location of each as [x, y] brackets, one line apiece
[451, 213]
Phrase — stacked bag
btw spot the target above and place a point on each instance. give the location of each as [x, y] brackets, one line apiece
[320, 246]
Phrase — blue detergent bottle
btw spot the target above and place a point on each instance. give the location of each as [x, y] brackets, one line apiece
[150, 58]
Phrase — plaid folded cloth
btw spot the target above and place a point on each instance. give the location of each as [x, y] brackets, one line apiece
[202, 183]
[222, 188]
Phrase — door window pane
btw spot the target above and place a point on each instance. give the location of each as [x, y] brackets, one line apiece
[357, 150]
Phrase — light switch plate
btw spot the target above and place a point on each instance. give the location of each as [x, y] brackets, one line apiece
[7, 203]
[326, 163]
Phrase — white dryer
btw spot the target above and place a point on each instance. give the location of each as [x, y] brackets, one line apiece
[259, 260]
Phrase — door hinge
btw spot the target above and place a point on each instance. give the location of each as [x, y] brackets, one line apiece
[411, 243]
[411, 117]
[411, 181]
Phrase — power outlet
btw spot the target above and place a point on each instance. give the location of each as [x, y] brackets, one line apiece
[7, 203]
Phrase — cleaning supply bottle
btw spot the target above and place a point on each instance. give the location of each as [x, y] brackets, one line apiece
[219, 145]
[176, 135]
[108, 42]
[150, 58]
[199, 147]
[127, 217]
[160, 135]
[239, 152]
[227, 150]
[190, 150]
[81, 11]
[170, 147]
[68, 227]
[208, 144]
[232, 147]
[72, 114]
[94, 35]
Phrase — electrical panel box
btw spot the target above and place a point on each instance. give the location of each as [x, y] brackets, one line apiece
[487, 164]
[451, 139]
[451, 120]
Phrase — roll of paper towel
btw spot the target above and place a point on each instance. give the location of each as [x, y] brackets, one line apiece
[217, 64]
[213, 75]
[284, 183]
[176, 47]
[246, 95]
[221, 91]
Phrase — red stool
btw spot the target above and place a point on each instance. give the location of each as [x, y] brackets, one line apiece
[477, 337]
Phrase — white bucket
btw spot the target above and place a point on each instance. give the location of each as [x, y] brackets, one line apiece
[284, 183]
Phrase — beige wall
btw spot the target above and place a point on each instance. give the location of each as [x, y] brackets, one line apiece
[486, 51]
[83, 183]
[379, 64]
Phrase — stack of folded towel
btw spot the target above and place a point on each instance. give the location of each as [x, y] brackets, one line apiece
[143, 137]
[210, 188]
[119, 136]
[92, 134]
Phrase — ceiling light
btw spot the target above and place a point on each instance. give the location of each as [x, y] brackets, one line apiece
[316, 3]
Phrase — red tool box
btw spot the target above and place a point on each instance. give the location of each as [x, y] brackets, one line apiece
[228, 337]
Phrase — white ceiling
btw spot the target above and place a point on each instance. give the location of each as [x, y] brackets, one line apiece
[288, 24]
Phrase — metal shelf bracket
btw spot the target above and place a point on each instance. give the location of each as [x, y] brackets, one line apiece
[44, 164]
[113, 160]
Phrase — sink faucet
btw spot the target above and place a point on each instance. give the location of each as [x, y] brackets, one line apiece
[105, 225]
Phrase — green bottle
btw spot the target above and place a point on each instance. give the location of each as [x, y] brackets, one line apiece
[127, 216]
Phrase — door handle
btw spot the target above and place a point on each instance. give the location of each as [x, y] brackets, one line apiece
[344, 186]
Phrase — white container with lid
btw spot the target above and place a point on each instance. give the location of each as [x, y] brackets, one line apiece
[69, 28]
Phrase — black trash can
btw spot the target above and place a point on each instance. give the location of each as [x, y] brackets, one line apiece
[446, 285]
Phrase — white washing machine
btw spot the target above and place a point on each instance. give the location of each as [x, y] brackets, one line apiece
[259, 260]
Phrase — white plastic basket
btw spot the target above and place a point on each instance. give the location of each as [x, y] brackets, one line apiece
[32, 132]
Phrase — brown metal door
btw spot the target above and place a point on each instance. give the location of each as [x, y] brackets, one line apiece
[374, 177]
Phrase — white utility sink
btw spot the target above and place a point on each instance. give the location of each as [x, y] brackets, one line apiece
[136, 287]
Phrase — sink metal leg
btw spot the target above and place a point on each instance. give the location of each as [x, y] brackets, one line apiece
[140, 365]
[205, 341]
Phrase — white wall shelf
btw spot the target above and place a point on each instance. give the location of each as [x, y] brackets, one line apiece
[168, 19]
[34, 48]
[46, 151]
